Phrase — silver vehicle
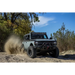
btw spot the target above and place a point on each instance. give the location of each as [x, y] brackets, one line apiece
[38, 43]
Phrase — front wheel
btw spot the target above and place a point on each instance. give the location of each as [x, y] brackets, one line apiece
[31, 52]
[54, 53]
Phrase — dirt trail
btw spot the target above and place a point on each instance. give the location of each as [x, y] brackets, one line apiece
[68, 56]
[15, 53]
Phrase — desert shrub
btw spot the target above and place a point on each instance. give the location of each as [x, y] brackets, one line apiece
[65, 39]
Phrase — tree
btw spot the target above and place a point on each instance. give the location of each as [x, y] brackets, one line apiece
[28, 17]
[4, 32]
[5, 29]
[59, 35]
[63, 28]
[23, 28]
[65, 38]
[14, 13]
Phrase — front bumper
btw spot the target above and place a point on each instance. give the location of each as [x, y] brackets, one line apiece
[45, 47]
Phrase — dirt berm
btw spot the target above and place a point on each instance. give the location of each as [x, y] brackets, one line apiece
[15, 53]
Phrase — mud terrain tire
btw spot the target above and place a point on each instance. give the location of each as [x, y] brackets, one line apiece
[31, 52]
[54, 53]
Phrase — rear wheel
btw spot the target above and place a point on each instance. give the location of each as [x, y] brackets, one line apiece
[31, 52]
[54, 53]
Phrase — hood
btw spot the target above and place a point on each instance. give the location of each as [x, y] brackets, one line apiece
[44, 39]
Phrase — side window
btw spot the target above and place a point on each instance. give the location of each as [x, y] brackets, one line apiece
[27, 37]
[44, 36]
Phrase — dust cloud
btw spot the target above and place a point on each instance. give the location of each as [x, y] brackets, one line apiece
[13, 45]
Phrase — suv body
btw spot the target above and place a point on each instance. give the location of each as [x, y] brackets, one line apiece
[38, 42]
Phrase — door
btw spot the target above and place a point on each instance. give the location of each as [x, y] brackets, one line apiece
[26, 41]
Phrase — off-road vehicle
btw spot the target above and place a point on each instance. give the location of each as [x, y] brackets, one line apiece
[38, 43]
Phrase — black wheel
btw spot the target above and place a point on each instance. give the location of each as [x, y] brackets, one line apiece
[54, 53]
[31, 52]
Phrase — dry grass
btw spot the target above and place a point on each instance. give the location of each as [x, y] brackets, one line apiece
[13, 45]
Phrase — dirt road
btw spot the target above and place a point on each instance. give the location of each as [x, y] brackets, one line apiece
[13, 46]
[68, 56]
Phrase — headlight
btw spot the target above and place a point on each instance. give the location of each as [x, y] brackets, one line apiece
[35, 42]
[55, 42]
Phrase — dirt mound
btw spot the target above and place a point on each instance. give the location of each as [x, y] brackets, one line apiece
[13, 45]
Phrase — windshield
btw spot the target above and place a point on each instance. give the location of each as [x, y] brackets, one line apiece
[39, 36]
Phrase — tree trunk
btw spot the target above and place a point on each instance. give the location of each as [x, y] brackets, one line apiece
[5, 16]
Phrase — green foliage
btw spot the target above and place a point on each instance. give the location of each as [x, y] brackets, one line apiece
[13, 14]
[18, 23]
[23, 28]
[21, 24]
[65, 39]
[4, 33]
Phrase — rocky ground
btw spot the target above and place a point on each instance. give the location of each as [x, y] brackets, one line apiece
[65, 56]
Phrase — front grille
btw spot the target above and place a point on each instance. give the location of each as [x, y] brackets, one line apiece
[45, 43]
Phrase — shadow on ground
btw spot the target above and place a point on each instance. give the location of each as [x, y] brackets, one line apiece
[67, 57]
[64, 57]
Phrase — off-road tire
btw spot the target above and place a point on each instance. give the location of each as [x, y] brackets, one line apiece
[31, 52]
[54, 53]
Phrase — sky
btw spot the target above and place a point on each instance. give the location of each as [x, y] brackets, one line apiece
[51, 22]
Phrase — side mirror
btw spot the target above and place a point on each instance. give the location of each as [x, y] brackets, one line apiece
[50, 37]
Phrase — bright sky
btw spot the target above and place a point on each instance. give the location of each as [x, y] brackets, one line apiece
[51, 22]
